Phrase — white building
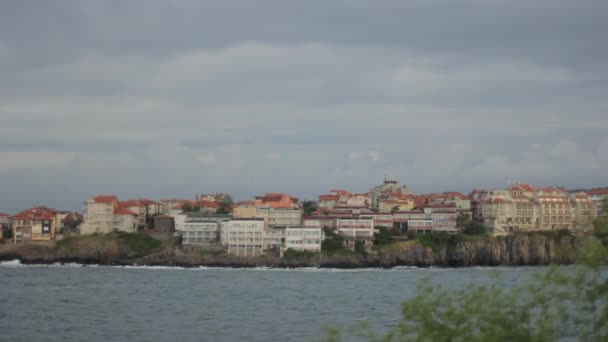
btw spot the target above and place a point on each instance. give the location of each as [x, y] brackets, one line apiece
[274, 238]
[124, 220]
[304, 239]
[353, 230]
[246, 236]
[199, 232]
[99, 215]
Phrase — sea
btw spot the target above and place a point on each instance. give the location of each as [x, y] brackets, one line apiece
[72, 302]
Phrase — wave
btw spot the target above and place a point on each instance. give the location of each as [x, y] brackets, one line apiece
[17, 263]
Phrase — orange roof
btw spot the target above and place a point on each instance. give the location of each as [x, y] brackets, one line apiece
[105, 199]
[36, 213]
[598, 192]
[131, 203]
[209, 204]
[145, 201]
[4, 215]
[123, 211]
[329, 198]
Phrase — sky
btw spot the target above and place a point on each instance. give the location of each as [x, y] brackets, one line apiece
[167, 99]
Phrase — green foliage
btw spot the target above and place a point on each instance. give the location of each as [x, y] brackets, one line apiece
[225, 202]
[462, 220]
[563, 303]
[385, 236]
[333, 242]
[308, 207]
[360, 248]
[394, 209]
[191, 208]
[140, 243]
[475, 228]
[291, 254]
[439, 240]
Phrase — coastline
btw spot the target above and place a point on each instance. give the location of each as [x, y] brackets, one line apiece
[516, 251]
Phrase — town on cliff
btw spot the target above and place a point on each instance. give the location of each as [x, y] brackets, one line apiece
[281, 226]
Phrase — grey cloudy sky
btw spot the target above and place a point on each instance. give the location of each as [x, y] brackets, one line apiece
[171, 98]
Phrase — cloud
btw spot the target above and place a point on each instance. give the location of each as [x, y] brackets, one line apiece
[208, 158]
[272, 156]
[354, 155]
[91, 103]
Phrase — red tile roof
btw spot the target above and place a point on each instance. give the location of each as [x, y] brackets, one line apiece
[123, 211]
[36, 213]
[131, 203]
[105, 199]
[209, 204]
[329, 198]
[4, 215]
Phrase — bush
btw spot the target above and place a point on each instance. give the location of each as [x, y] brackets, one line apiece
[475, 228]
[385, 236]
[139, 243]
[333, 242]
[291, 254]
[568, 304]
[360, 248]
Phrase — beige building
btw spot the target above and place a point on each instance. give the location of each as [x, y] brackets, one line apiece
[353, 230]
[303, 239]
[245, 236]
[35, 224]
[524, 208]
[274, 217]
[99, 215]
[124, 220]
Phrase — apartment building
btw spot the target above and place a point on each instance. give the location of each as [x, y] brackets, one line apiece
[99, 215]
[304, 238]
[137, 208]
[124, 220]
[353, 230]
[35, 224]
[274, 217]
[381, 219]
[274, 238]
[245, 236]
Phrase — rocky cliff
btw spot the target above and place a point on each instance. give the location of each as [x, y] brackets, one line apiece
[516, 250]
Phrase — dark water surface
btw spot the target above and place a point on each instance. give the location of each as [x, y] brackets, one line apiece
[73, 303]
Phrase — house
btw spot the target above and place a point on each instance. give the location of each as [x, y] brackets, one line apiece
[307, 239]
[199, 228]
[273, 216]
[164, 224]
[323, 221]
[99, 215]
[277, 200]
[353, 230]
[245, 236]
[125, 220]
[137, 208]
[274, 238]
[35, 224]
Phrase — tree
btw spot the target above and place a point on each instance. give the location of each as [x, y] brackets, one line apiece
[360, 248]
[394, 209]
[475, 228]
[333, 242]
[225, 202]
[308, 207]
[462, 219]
[559, 304]
[189, 207]
[385, 236]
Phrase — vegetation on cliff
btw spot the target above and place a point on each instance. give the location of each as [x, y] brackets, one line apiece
[561, 304]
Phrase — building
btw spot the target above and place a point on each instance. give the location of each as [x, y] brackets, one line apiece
[274, 217]
[420, 225]
[323, 221]
[125, 220]
[307, 239]
[4, 219]
[328, 202]
[276, 200]
[35, 224]
[274, 239]
[199, 228]
[99, 215]
[164, 224]
[522, 207]
[353, 230]
[137, 208]
[381, 219]
[245, 236]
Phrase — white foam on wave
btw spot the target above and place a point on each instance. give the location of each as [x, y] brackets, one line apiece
[11, 263]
